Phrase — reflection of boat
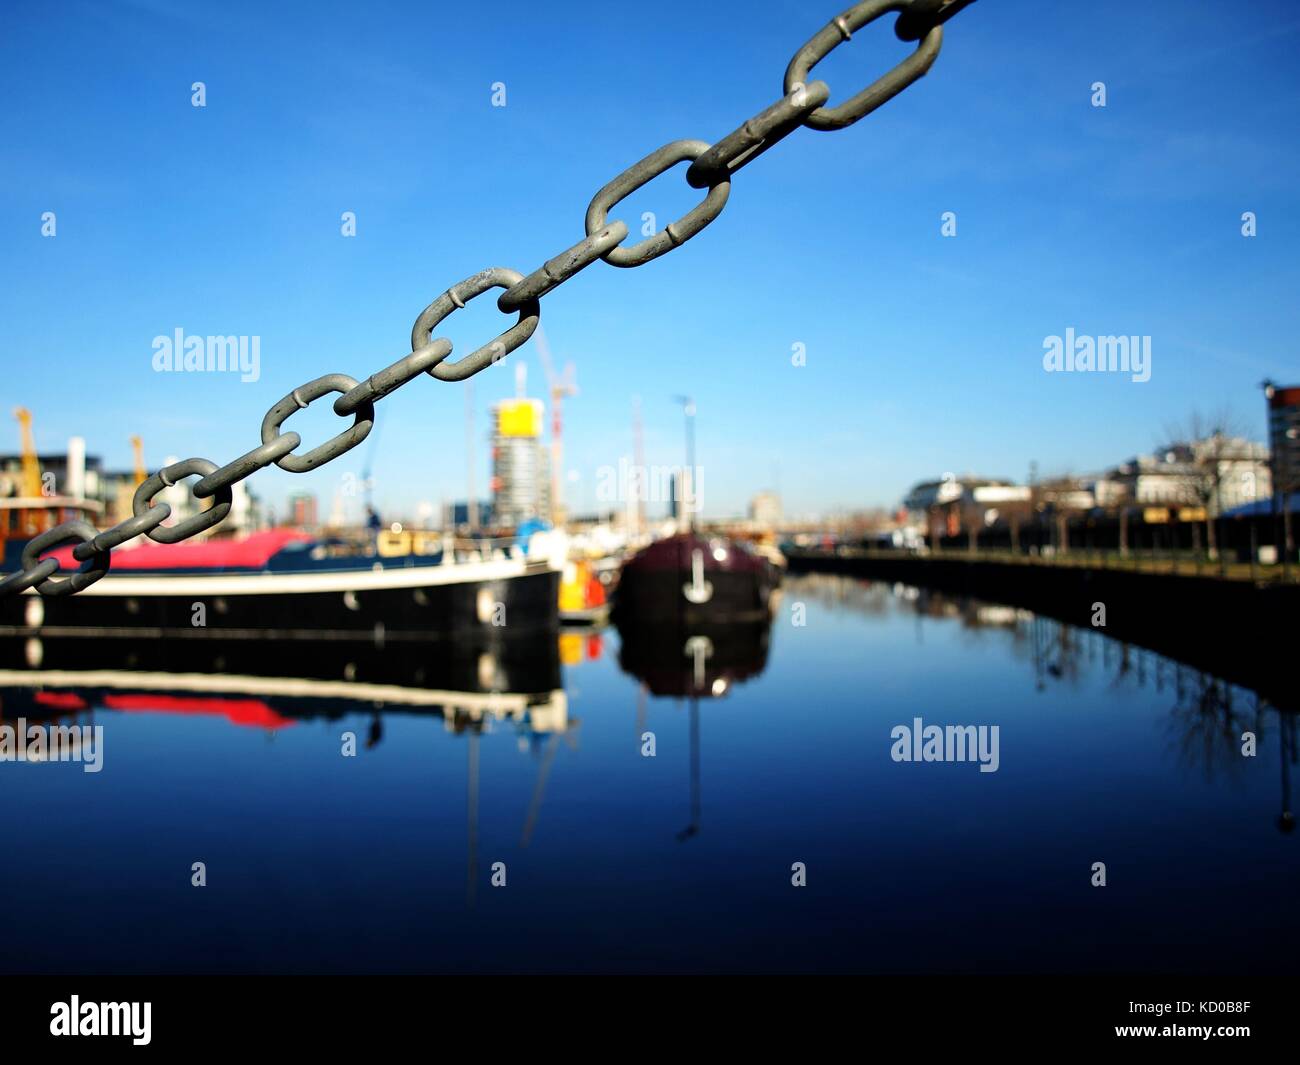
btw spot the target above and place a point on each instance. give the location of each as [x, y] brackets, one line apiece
[698, 660]
[277, 584]
[691, 578]
[292, 675]
[250, 684]
[260, 702]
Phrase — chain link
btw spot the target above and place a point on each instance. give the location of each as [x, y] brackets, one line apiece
[555, 272]
[711, 167]
[923, 15]
[530, 313]
[29, 576]
[246, 465]
[742, 146]
[142, 502]
[391, 378]
[675, 233]
[300, 398]
[880, 91]
[122, 532]
[68, 532]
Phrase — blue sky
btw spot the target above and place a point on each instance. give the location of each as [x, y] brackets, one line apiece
[924, 353]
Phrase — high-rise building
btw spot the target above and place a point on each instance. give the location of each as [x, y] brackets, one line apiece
[520, 471]
[302, 509]
[1284, 438]
[765, 509]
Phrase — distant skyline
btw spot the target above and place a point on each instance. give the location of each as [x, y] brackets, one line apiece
[923, 353]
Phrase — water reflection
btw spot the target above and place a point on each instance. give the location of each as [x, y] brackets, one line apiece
[704, 662]
[251, 684]
[518, 686]
[1208, 717]
[772, 746]
[271, 685]
[692, 662]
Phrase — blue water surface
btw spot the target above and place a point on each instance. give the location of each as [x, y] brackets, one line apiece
[615, 861]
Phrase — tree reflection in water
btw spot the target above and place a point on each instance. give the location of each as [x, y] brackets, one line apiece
[1208, 717]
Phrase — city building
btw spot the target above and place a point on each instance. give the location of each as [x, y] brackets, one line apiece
[765, 509]
[302, 510]
[1237, 469]
[1284, 436]
[521, 481]
[1071, 494]
[1218, 473]
[952, 504]
[81, 475]
[111, 493]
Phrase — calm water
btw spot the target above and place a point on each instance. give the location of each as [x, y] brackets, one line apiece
[682, 861]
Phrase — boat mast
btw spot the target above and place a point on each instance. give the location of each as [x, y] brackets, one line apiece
[688, 474]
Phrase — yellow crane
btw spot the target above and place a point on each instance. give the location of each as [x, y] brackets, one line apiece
[30, 520]
[137, 446]
[31, 464]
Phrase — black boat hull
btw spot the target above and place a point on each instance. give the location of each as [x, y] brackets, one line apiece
[471, 603]
[690, 580]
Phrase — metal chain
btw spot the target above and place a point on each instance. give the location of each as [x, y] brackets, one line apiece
[711, 167]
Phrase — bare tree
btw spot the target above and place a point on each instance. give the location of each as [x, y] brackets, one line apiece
[1207, 442]
[1067, 497]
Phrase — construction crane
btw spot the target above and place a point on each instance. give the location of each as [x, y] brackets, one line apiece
[137, 448]
[33, 519]
[560, 386]
[31, 464]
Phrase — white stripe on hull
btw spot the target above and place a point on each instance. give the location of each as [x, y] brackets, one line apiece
[196, 585]
[500, 704]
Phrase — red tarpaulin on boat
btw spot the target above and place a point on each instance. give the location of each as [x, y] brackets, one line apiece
[253, 550]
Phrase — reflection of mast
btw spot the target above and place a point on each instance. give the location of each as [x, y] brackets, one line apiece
[694, 827]
[552, 745]
[687, 489]
[471, 872]
[1039, 683]
[1286, 733]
